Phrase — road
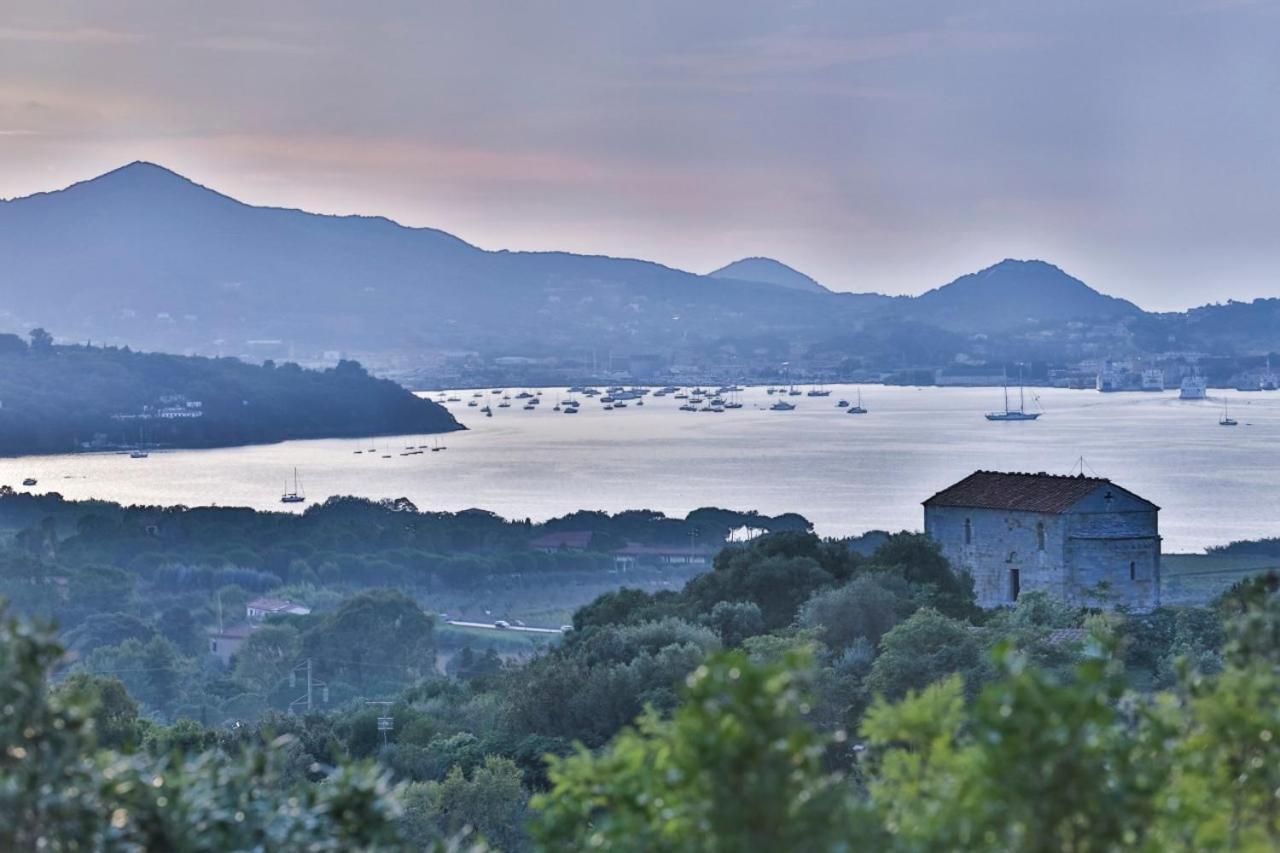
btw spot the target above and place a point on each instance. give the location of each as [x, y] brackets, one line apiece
[493, 627]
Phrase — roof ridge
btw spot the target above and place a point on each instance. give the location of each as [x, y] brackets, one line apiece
[1020, 491]
[1080, 476]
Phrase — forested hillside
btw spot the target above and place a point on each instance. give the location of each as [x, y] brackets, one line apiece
[802, 694]
[55, 399]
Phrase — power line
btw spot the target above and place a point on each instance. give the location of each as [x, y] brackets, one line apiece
[312, 683]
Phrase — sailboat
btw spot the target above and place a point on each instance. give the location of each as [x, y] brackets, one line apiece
[1226, 419]
[856, 409]
[140, 452]
[1018, 414]
[818, 391]
[296, 496]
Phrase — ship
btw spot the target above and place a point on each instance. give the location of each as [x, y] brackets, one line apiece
[1193, 387]
[1018, 414]
[1109, 381]
[1153, 379]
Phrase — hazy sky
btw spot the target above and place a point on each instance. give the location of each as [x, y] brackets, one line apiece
[874, 145]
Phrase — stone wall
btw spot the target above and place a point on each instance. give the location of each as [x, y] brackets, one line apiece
[1002, 542]
[1113, 559]
[1106, 557]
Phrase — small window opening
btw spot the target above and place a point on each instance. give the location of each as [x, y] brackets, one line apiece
[1133, 571]
[968, 532]
[1015, 584]
[1040, 535]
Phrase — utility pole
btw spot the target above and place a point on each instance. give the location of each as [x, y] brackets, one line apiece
[385, 720]
[307, 698]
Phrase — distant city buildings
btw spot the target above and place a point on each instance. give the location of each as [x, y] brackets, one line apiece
[168, 407]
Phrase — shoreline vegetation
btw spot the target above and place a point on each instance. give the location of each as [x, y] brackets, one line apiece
[83, 398]
[824, 667]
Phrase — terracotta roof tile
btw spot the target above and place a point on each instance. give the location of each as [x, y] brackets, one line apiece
[572, 539]
[1014, 491]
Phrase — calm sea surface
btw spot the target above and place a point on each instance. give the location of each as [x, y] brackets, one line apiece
[846, 473]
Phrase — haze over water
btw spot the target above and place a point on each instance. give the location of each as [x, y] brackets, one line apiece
[845, 473]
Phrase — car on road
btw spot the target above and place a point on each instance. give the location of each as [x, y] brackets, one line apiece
[502, 624]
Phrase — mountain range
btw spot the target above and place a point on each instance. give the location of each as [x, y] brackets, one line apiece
[144, 256]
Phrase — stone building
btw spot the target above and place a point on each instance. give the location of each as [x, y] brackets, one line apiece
[1083, 540]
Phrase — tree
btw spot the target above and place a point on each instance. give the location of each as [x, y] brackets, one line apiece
[736, 767]
[778, 585]
[925, 648]
[919, 560]
[113, 711]
[735, 621]
[377, 635]
[266, 657]
[162, 664]
[60, 792]
[866, 607]
[178, 626]
[491, 801]
[41, 341]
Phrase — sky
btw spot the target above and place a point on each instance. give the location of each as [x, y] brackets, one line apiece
[883, 146]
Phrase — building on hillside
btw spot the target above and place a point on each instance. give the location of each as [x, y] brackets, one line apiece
[658, 555]
[1083, 540]
[567, 540]
[260, 608]
[224, 643]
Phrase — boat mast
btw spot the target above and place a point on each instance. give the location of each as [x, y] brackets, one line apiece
[1022, 402]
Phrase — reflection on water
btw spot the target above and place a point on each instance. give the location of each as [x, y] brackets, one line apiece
[846, 473]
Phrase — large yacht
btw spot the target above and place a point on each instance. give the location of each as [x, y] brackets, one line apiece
[1194, 387]
[1018, 414]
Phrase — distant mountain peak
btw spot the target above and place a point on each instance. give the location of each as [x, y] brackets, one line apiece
[139, 182]
[139, 172]
[768, 271]
[1015, 291]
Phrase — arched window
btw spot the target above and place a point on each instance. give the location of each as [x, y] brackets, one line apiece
[968, 532]
[1040, 535]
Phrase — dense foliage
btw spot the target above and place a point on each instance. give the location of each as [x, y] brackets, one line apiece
[802, 694]
[60, 398]
[136, 590]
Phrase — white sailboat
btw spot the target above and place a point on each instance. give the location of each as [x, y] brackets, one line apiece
[1018, 414]
[296, 496]
[1226, 419]
[857, 409]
